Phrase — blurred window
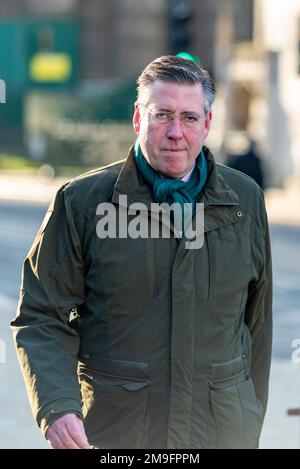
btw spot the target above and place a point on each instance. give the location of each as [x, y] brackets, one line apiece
[56, 7]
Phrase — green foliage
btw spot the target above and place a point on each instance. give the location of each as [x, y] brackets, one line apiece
[16, 163]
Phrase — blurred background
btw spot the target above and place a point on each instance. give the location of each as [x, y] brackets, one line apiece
[68, 72]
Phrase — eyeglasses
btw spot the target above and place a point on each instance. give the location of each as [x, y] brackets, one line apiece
[162, 116]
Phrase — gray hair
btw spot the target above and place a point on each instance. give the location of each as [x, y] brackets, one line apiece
[171, 68]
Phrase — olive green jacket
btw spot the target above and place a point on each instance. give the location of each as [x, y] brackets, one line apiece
[166, 347]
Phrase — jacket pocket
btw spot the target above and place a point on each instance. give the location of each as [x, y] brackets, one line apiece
[235, 413]
[115, 408]
[229, 274]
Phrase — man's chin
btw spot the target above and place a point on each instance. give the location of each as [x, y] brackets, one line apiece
[175, 173]
[171, 168]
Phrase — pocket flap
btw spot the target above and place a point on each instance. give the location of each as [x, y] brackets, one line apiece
[116, 367]
[135, 386]
[230, 369]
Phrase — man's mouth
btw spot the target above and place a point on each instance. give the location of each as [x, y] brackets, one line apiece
[173, 150]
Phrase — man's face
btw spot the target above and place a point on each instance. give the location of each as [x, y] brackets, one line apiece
[171, 148]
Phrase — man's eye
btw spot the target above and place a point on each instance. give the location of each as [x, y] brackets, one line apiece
[190, 118]
[161, 115]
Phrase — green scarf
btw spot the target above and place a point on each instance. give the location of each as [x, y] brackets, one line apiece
[167, 189]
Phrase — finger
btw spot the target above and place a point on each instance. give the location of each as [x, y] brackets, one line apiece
[54, 441]
[67, 440]
[59, 438]
[77, 433]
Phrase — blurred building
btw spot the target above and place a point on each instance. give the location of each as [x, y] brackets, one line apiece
[251, 48]
[117, 38]
[260, 82]
[85, 47]
[278, 40]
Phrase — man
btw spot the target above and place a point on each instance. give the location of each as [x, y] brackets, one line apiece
[248, 163]
[171, 346]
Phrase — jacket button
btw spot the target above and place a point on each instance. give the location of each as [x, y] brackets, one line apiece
[239, 214]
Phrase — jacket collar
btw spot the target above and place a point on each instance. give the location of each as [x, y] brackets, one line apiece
[217, 191]
[131, 183]
[220, 200]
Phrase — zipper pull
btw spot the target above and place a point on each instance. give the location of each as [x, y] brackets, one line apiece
[87, 376]
[73, 314]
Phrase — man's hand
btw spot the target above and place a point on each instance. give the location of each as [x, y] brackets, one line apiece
[67, 432]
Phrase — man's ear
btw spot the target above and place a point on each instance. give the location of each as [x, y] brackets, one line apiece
[136, 118]
[208, 119]
[207, 123]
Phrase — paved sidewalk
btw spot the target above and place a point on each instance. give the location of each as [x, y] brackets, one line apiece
[283, 205]
[28, 188]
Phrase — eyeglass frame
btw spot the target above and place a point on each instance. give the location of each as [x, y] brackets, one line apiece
[171, 115]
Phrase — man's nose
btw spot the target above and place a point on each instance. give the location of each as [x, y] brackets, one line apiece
[175, 128]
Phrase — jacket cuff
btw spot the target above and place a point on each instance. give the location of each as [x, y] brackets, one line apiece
[56, 409]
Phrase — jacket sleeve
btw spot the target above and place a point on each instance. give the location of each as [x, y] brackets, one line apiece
[52, 284]
[258, 315]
